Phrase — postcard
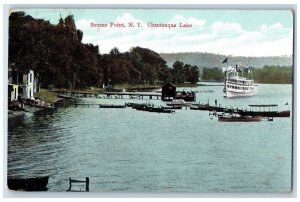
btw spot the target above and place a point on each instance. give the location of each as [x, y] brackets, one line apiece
[150, 100]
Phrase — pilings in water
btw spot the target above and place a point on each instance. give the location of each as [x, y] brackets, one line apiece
[86, 182]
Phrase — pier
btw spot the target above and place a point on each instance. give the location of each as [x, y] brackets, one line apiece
[271, 111]
[99, 105]
[112, 95]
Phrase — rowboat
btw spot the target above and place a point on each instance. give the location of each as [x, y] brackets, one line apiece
[239, 118]
[28, 184]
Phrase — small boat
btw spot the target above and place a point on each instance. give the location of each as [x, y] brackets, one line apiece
[28, 184]
[179, 102]
[207, 107]
[239, 118]
[141, 107]
[160, 110]
[66, 96]
[172, 107]
[154, 109]
[200, 107]
[186, 96]
[135, 105]
[111, 106]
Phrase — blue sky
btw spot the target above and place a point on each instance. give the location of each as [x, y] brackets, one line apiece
[229, 32]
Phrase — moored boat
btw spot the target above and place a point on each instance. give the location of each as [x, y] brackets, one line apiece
[172, 107]
[239, 118]
[188, 96]
[111, 106]
[135, 105]
[160, 110]
[28, 184]
[200, 107]
[179, 102]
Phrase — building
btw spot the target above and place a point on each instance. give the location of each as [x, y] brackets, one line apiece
[12, 92]
[21, 84]
[168, 91]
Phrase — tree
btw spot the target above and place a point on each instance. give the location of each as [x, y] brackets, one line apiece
[212, 74]
[55, 52]
[178, 72]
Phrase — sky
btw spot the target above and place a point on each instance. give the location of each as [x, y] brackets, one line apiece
[226, 32]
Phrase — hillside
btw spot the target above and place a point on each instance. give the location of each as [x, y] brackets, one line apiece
[215, 60]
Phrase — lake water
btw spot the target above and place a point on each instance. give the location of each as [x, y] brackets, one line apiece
[124, 150]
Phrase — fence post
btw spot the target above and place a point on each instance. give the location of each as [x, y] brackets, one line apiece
[87, 188]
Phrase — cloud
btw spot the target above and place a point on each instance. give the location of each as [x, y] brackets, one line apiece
[84, 24]
[181, 19]
[220, 37]
[225, 29]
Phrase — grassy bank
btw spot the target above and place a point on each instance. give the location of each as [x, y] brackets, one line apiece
[46, 95]
[127, 86]
[51, 95]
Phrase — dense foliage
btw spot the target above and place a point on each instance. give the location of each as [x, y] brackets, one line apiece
[273, 74]
[57, 54]
[267, 74]
[212, 74]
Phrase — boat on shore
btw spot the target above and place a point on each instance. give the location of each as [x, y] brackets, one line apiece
[28, 184]
[236, 85]
[239, 118]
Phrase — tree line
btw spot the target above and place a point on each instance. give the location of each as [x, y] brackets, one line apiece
[267, 74]
[56, 53]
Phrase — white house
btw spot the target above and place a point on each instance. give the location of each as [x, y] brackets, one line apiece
[26, 88]
[21, 84]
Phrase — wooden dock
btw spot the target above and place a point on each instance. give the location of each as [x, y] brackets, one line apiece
[271, 111]
[113, 95]
[99, 105]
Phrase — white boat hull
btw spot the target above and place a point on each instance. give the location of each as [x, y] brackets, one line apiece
[230, 94]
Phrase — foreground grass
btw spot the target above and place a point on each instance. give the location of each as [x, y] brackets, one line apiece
[46, 95]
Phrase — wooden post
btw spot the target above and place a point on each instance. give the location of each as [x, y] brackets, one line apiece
[70, 184]
[87, 185]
